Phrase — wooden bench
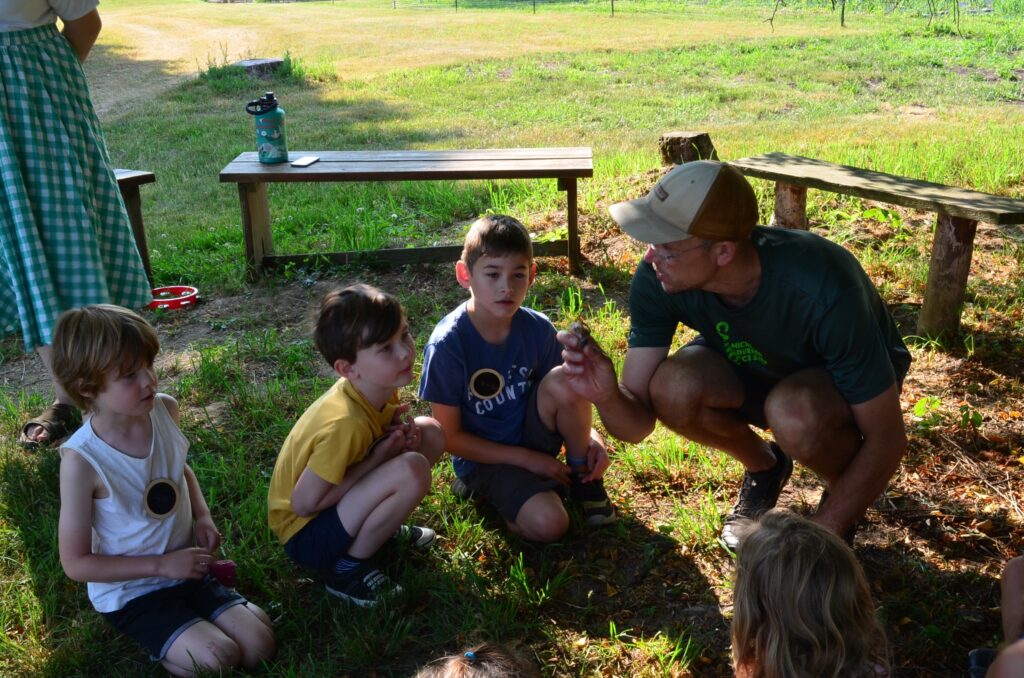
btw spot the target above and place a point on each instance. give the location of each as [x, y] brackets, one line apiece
[959, 211]
[129, 181]
[566, 165]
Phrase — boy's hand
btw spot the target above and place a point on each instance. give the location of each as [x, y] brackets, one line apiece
[389, 445]
[590, 371]
[546, 466]
[190, 563]
[207, 534]
[597, 461]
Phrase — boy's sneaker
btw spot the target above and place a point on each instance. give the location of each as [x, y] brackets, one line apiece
[460, 489]
[364, 586]
[759, 493]
[419, 538]
[593, 500]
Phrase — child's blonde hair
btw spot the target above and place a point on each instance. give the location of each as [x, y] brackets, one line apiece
[496, 235]
[486, 660]
[802, 606]
[92, 341]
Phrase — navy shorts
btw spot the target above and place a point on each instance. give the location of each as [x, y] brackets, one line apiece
[155, 620]
[508, 487]
[321, 543]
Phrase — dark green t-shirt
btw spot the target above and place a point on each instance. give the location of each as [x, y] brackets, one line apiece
[815, 307]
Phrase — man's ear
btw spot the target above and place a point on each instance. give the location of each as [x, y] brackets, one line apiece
[344, 368]
[462, 274]
[726, 251]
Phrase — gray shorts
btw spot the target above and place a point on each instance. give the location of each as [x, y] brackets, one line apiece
[507, 487]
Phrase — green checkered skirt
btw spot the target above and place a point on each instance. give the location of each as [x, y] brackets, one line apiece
[65, 239]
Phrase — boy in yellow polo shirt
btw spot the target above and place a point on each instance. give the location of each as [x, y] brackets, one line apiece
[351, 471]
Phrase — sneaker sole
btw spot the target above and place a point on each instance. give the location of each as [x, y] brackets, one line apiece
[600, 521]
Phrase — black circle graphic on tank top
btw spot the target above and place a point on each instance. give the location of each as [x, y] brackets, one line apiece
[161, 497]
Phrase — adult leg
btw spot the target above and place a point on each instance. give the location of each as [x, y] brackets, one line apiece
[201, 647]
[696, 394]
[251, 630]
[374, 508]
[36, 432]
[812, 423]
[1012, 602]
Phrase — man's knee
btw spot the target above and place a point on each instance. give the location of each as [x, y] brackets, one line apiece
[804, 410]
[676, 393]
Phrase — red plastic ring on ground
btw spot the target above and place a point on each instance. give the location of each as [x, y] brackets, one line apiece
[175, 296]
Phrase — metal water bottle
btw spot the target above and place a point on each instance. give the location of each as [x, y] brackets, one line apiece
[270, 143]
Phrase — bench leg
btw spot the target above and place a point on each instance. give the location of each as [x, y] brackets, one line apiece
[790, 206]
[572, 217]
[255, 227]
[133, 205]
[952, 248]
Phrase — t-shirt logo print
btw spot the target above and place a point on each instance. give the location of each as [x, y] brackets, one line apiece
[486, 383]
[161, 498]
[739, 352]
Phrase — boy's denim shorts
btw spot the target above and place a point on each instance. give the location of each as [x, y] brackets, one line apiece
[155, 620]
[321, 543]
[508, 487]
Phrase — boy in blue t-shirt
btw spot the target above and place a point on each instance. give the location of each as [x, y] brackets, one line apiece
[492, 374]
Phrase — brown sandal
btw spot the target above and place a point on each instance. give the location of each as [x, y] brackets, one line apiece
[59, 421]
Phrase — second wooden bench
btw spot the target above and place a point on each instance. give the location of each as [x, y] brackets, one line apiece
[959, 211]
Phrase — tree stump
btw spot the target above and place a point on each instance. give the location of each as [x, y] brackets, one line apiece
[259, 68]
[679, 147]
[790, 206]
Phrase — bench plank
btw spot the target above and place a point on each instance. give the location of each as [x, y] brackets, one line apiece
[888, 188]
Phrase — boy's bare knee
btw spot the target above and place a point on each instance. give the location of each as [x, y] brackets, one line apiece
[415, 468]
[433, 438]
[261, 646]
[542, 519]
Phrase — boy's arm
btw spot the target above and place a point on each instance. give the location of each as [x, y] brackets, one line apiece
[78, 484]
[478, 449]
[206, 533]
[313, 494]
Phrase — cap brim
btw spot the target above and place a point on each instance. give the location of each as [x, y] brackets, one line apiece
[636, 218]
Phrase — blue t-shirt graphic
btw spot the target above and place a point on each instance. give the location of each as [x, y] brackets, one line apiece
[490, 384]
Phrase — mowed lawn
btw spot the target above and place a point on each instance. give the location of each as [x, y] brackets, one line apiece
[650, 596]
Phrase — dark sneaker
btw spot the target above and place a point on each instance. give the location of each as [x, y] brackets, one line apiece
[419, 538]
[850, 533]
[460, 489]
[593, 501]
[979, 660]
[759, 493]
[364, 586]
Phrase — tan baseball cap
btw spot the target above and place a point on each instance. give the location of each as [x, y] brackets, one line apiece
[703, 199]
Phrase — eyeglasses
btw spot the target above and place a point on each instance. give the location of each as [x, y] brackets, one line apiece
[669, 255]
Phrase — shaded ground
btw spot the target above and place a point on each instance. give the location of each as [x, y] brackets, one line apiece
[932, 546]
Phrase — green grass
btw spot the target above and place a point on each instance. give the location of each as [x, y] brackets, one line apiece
[644, 597]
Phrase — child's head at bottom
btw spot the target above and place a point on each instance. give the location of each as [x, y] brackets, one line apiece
[93, 344]
[486, 660]
[802, 606]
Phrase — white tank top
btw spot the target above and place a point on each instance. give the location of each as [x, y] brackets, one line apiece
[148, 512]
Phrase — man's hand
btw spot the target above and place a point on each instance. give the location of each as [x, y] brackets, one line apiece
[590, 371]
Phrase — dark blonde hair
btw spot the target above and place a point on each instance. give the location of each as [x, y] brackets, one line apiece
[496, 235]
[353, 318]
[802, 606]
[486, 660]
[91, 342]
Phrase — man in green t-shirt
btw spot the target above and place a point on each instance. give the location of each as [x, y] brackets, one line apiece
[793, 336]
